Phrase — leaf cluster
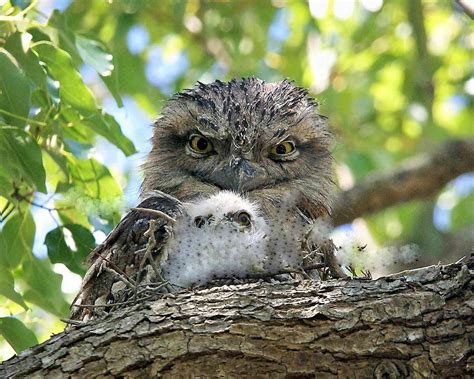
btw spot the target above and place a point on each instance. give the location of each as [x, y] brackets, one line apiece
[49, 122]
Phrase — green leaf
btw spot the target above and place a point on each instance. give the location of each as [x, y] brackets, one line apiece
[19, 45]
[22, 4]
[62, 33]
[76, 129]
[102, 124]
[91, 191]
[72, 256]
[55, 164]
[94, 54]
[109, 128]
[53, 88]
[44, 287]
[60, 66]
[58, 250]
[93, 178]
[73, 91]
[17, 334]
[112, 83]
[40, 34]
[6, 183]
[14, 90]
[16, 239]
[7, 287]
[21, 157]
[69, 215]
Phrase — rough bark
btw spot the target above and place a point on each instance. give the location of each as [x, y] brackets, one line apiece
[421, 177]
[413, 324]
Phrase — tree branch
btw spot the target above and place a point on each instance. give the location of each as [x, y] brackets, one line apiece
[419, 178]
[412, 324]
[466, 7]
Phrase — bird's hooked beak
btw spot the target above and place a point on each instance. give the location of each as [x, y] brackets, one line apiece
[240, 175]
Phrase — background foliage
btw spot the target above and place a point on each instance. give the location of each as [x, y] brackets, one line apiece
[80, 80]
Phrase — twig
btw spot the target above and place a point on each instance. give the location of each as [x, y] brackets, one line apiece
[150, 233]
[72, 322]
[112, 264]
[50, 210]
[6, 211]
[460, 259]
[466, 7]
[327, 247]
[367, 274]
[151, 244]
[29, 120]
[111, 304]
[314, 266]
[288, 271]
[126, 280]
[155, 212]
[128, 302]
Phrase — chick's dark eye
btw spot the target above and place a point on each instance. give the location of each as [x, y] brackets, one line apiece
[242, 218]
[200, 144]
[199, 221]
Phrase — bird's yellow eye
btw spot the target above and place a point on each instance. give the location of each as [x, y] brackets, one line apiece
[242, 218]
[200, 144]
[283, 148]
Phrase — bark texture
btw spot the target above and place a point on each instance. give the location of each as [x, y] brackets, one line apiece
[419, 178]
[413, 324]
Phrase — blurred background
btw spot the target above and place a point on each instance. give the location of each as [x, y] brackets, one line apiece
[395, 78]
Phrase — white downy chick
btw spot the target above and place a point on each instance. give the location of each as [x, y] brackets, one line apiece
[285, 239]
[221, 236]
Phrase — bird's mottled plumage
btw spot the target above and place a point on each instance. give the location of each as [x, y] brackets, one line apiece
[221, 236]
[244, 119]
[262, 140]
[118, 258]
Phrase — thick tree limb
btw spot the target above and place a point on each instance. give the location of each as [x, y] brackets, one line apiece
[421, 177]
[412, 324]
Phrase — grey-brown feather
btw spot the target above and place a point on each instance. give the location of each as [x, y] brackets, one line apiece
[243, 119]
[118, 252]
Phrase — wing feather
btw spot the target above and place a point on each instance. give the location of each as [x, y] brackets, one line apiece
[118, 258]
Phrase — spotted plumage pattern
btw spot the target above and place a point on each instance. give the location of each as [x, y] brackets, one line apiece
[222, 236]
[263, 141]
[243, 120]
